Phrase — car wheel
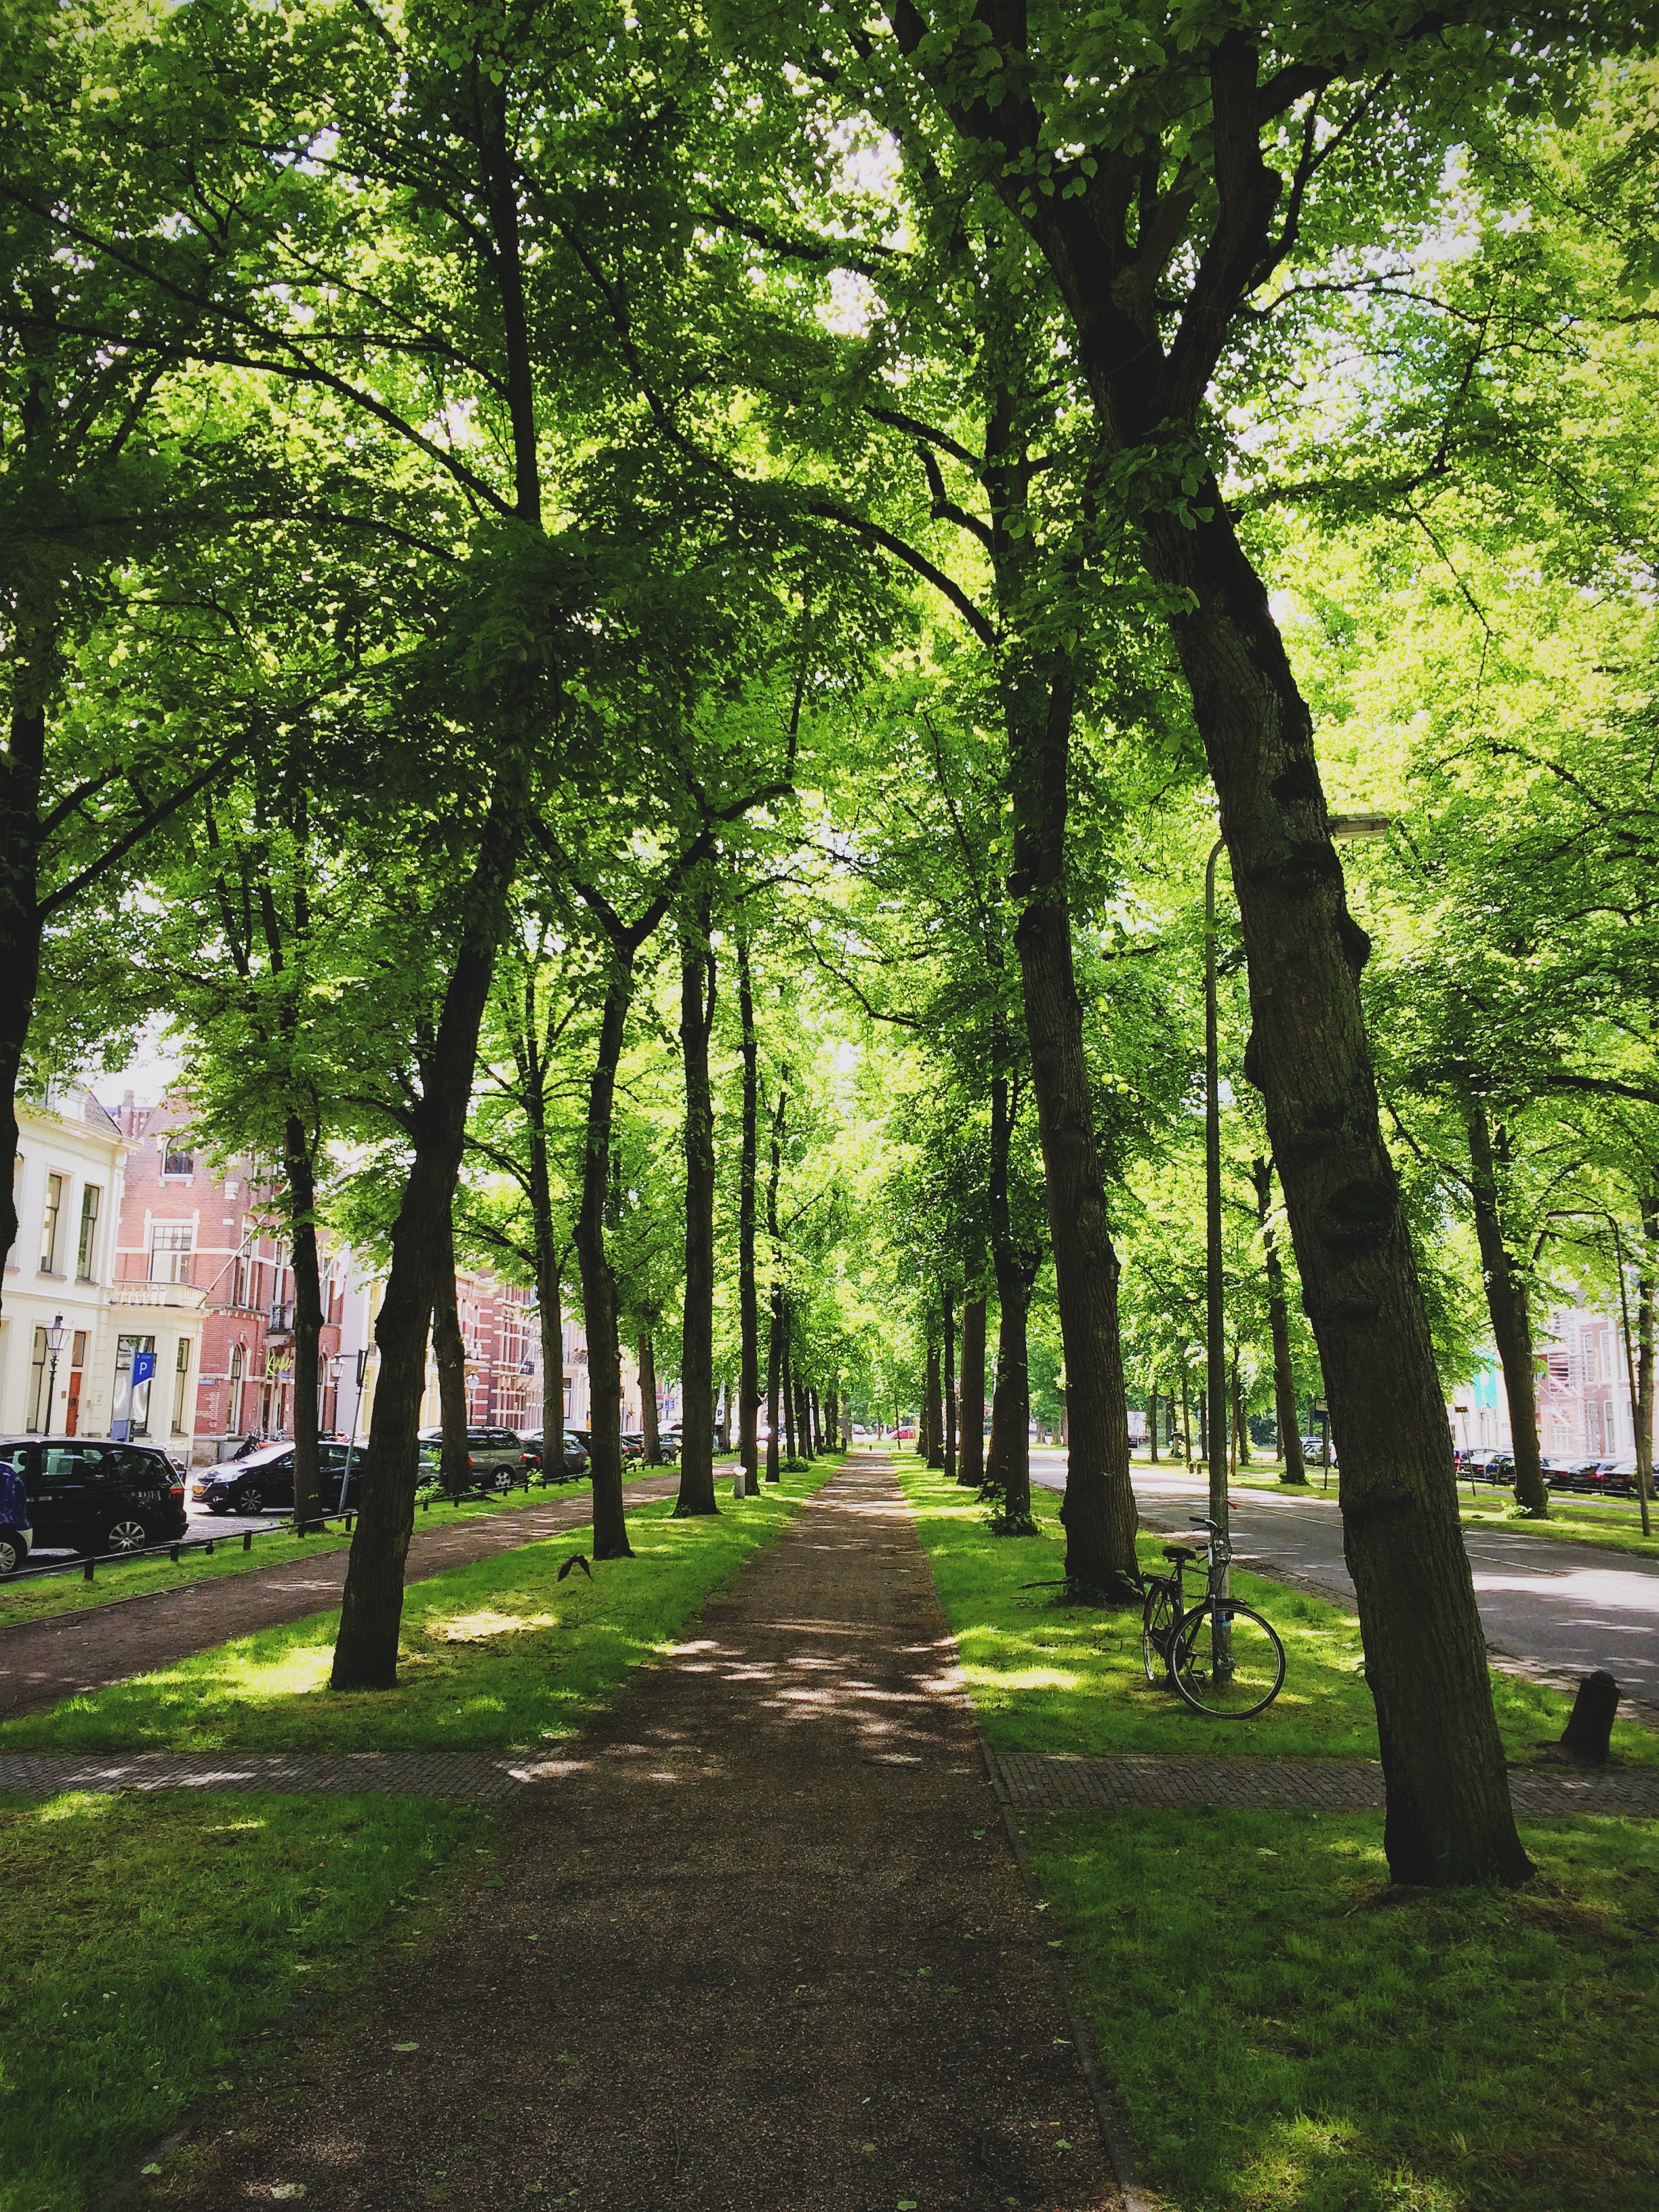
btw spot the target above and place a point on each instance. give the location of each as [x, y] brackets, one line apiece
[12, 1554]
[251, 1498]
[125, 1534]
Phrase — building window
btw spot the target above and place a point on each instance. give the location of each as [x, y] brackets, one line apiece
[171, 1246]
[38, 1410]
[49, 1222]
[182, 1164]
[181, 1384]
[86, 1254]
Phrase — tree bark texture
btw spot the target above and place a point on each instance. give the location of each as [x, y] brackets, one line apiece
[449, 1355]
[950, 1371]
[1647, 1275]
[650, 1432]
[371, 1613]
[297, 1166]
[1008, 1463]
[1449, 1818]
[1099, 1512]
[935, 1452]
[601, 1317]
[1279, 1328]
[970, 1473]
[1508, 1306]
[776, 1331]
[748, 1175]
[697, 1490]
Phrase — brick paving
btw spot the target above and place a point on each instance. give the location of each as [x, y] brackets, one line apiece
[42, 1661]
[1026, 1778]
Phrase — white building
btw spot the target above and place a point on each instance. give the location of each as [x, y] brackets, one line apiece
[81, 1354]
[1583, 1393]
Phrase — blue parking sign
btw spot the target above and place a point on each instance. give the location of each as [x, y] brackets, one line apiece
[143, 1366]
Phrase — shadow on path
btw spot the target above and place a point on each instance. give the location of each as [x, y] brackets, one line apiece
[762, 1948]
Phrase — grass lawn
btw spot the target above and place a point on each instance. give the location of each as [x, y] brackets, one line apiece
[1285, 2032]
[1052, 1677]
[148, 1938]
[30, 1599]
[498, 1656]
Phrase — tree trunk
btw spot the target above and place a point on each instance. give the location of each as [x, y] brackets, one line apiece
[1099, 1512]
[935, 1453]
[650, 1434]
[1241, 1431]
[601, 1319]
[1511, 1323]
[449, 1352]
[748, 1173]
[1285, 1418]
[1186, 1420]
[1008, 1464]
[790, 1437]
[307, 1320]
[775, 1330]
[950, 1386]
[1647, 1273]
[1449, 1818]
[970, 1474]
[550, 1290]
[696, 1490]
[1152, 1424]
[371, 1611]
[548, 1257]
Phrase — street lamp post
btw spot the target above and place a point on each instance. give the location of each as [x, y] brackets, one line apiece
[54, 1345]
[1344, 830]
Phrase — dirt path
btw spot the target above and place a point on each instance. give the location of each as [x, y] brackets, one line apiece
[42, 1661]
[761, 1948]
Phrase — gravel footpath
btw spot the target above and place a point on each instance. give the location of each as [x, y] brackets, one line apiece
[42, 1661]
[761, 1947]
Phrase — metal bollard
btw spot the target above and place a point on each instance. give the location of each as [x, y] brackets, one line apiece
[247, 1540]
[87, 1571]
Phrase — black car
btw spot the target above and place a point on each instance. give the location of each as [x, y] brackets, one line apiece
[88, 1494]
[265, 1478]
[572, 1452]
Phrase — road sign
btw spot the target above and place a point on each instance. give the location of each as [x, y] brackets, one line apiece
[143, 1367]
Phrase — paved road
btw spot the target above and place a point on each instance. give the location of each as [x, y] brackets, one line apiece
[1564, 1608]
[42, 1661]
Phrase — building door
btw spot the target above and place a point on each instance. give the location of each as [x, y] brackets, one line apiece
[77, 1361]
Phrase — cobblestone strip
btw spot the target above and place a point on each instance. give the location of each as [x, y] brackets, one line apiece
[1032, 1779]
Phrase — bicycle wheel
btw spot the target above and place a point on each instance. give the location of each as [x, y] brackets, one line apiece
[1252, 1671]
[1160, 1618]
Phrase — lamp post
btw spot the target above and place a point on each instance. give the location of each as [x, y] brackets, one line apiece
[54, 1345]
[1344, 830]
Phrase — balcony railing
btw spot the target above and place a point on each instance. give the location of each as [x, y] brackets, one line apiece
[185, 1297]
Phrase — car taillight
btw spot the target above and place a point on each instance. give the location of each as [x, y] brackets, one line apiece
[177, 1489]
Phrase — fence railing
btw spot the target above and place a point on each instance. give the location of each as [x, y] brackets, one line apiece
[86, 1564]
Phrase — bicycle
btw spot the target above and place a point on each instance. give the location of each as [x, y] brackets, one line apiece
[1233, 1671]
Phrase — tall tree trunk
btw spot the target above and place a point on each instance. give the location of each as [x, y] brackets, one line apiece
[970, 1474]
[371, 1611]
[935, 1453]
[950, 1385]
[650, 1431]
[601, 1317]
[1186, 1420]
[748, 1173]
[1151, 1422]
[1241, 1431]
[449, 1355]
[1511, 1323]
[697, 1490]
[550, 1290]
[1647, 1274]
[1449, 1818]
[1285, 1418]
[1099, 1512]
[790, 1436]
[1008, 1463]
[776, 1337]
[307, 1320]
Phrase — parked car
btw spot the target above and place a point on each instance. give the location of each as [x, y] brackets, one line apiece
[265, 1478]
[572, 1452]
[493, 1455]
[1489, 1467]
[1559, 1473]
[90, 1495]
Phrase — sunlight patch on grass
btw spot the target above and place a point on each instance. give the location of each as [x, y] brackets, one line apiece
[533, 1656]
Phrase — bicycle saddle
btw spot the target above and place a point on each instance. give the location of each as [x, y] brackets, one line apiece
[1182, 1551]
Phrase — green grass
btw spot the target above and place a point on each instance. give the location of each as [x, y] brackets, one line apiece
[1285, 2032]
[274, 1546]
[497, 1655]
[1051, 1678]
[148, 1938]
